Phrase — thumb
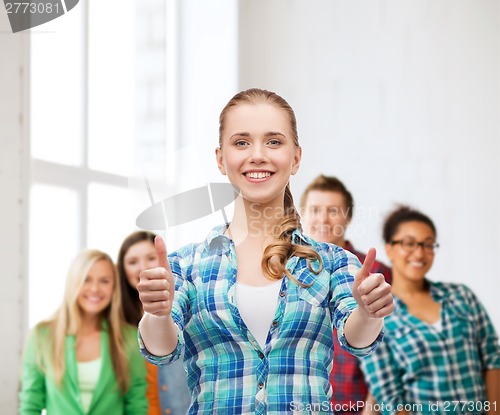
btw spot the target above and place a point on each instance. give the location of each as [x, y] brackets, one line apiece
[161, 250]
[364, 271]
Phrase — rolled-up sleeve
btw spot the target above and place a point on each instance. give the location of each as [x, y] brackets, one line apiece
[344, 267]
[487, 338]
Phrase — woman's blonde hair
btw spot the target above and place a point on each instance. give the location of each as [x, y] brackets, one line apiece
[277, 253]
[67, 321]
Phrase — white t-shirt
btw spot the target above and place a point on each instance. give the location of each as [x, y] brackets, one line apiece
[438, 325]
[257, 306]
[88, 374]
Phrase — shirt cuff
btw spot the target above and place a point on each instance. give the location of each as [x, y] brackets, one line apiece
[162, 360]
[358, 352]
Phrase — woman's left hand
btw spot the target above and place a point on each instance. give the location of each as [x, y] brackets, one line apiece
[371, 291]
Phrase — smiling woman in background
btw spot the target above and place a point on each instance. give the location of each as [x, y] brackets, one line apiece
[167, 391]
[85, 359]
[440, 346]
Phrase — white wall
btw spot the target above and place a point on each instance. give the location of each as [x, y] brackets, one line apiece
[400, 100]
[14, 173]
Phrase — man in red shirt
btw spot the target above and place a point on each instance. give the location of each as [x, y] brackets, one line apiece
[327, 208]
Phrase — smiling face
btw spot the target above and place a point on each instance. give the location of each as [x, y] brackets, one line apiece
[257, 152]
[325, 216]
[411, 266]
[139, 257]
[97, 290]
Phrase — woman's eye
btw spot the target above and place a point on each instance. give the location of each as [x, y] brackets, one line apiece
[240, 143]
[274, 142]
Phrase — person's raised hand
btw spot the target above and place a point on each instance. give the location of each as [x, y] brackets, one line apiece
[371, 291]
[156, 286]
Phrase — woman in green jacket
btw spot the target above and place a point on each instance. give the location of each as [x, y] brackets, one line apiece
[85, 360]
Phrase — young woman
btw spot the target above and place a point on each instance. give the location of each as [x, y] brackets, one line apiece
[85, 359]
[440, 352]
[167, 387]
[254, 305]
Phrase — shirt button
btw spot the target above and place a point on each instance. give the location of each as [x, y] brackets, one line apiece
[282, 293]
[164, 388]
[275, 323]
[261, 385]
[168, 411]
[261, 355]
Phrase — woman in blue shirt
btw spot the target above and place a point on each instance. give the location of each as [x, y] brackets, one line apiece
[244, 355]
[440, 352]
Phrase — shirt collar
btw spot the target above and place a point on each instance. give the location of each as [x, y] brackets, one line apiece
[216, 239]
[437, 290]
[299, 238]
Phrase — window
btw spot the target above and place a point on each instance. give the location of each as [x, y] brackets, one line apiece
[115, 88]
[54, 239]
[97, 111]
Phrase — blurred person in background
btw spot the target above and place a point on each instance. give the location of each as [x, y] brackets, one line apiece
[327, 209]
[440, 353]
[84, 360]
[167, 386]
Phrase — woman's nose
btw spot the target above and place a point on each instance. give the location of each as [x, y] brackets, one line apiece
[258, 153]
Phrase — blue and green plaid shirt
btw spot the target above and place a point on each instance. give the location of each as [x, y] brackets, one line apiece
[228, 372]
[435, 370]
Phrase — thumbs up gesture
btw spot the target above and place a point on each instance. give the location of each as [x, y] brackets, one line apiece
[156, 286]
[371, 291]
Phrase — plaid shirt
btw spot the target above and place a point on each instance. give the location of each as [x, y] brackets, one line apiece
[228, 372]
[419, 364]
[346, 378]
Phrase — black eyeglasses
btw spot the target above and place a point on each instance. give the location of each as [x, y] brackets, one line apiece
[410, 245]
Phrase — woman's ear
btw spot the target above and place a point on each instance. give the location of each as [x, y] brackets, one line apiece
[220, 161]
[296, 160]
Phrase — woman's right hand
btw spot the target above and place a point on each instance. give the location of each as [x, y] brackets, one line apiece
[156, 286]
